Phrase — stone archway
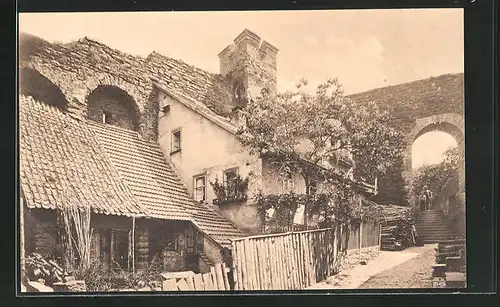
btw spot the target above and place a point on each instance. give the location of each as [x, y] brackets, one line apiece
[108, 80]
[41, 88]
[414, 108]
[115, 103]
[450, 123]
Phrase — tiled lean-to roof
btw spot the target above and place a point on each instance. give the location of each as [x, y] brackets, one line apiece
[110, 168]
[61, 163]
[155, 183]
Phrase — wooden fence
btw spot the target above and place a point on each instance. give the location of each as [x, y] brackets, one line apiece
[365, 234]
[286, 261]
[216, 280]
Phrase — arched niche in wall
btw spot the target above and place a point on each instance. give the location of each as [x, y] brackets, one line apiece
[32, 83]
[239, 93]
[111, 105]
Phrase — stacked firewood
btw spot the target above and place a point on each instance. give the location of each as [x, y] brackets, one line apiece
[40, 268]
[397, 227]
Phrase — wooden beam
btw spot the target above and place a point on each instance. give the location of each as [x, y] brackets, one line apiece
[133, 245]
[22, 252]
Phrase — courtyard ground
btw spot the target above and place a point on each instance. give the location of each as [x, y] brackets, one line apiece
[410, 268]
[413, 273]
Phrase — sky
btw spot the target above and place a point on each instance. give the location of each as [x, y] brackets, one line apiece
[365, 49]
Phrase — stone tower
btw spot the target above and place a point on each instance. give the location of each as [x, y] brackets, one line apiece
[251, 63]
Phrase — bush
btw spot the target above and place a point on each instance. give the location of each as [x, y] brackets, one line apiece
[98, 278]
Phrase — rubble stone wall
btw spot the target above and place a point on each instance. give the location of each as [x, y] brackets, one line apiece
[433, 104]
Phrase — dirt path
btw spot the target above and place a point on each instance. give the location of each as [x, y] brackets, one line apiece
[414, 273]
[376, 268]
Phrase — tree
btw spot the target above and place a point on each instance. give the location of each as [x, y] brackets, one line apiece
[303, 132]
[435, 176]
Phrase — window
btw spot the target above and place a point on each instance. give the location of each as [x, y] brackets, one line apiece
[176, 141]
[230, 177]
[107, 118]
[199, 242]
[190, 240]
[171, 243]
[114, 248]
[313, 186]
[288, 184]
[165, 109]
[200, 188]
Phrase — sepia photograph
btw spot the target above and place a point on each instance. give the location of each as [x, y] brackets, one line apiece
[227, 151]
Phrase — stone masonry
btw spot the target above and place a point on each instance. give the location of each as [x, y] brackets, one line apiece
[251, 62]
[433, 104]
[77, 69]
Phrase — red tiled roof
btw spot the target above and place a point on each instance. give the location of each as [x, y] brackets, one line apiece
[61, 163]
[110, 168]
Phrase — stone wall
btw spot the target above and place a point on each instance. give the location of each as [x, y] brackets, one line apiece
[242, 215]
[415, 108]
[41, 233]
[252, 62]
[114, 102]
[160, 233]
[78, 68]
[212, 250]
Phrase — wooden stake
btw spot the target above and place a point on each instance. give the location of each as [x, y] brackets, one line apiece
[360, 234]
[380, 235]
[224, 274]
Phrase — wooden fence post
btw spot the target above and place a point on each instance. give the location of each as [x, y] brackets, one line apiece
[360, 234]
[380, 235]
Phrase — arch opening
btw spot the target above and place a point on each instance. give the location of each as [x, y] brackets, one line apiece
[429, 148]
[111, 105]
[34, 84]
[427, 152]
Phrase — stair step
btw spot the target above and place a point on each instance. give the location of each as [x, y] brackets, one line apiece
[455, 241]
[435, 231]
[431, 227]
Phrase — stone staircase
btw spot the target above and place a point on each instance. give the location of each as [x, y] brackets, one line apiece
[206, 259]
[431, 226]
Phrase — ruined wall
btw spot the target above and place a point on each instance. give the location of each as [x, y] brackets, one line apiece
[406, 104]
[78, 68]
[41, 233]
[115, 103]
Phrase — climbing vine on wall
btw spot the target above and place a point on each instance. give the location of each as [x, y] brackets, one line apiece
[341, 206]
